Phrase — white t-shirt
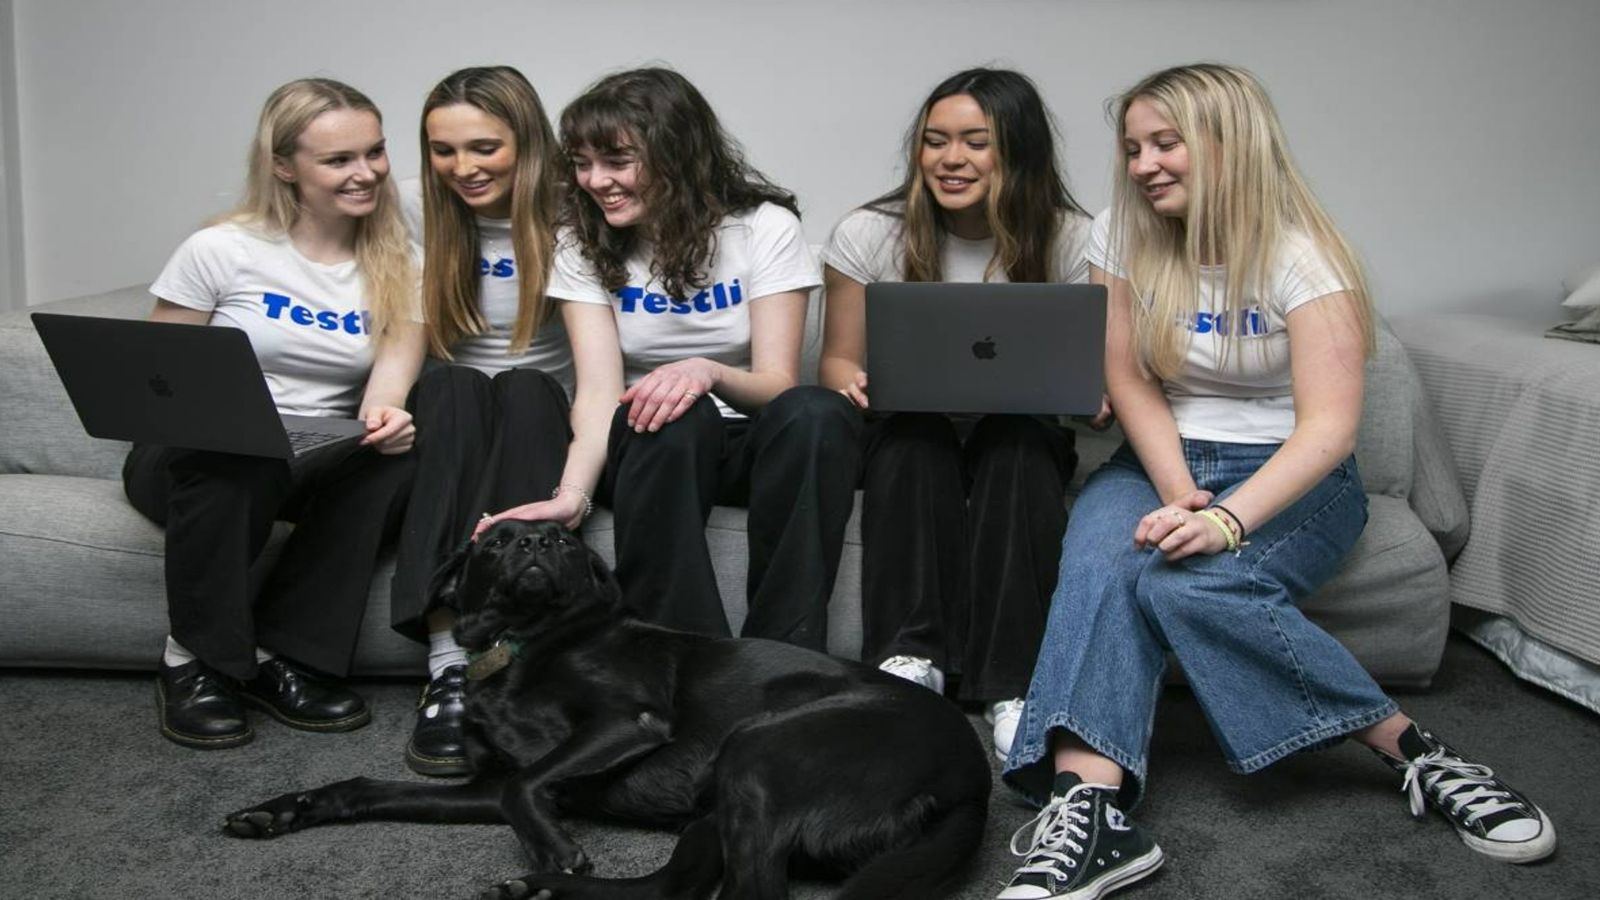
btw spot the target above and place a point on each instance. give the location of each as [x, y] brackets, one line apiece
[866, 246]
[759, 252]
[307, 321]
[498, 301]
[1249, 399]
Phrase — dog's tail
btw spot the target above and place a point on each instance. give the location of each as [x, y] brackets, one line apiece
[924, 867]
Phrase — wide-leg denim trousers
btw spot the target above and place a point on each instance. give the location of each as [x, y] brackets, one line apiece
[1268, 680]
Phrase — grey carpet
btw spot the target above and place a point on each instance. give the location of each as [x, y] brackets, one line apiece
[94, 803]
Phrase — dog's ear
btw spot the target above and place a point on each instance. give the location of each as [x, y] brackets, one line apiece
[446, 581]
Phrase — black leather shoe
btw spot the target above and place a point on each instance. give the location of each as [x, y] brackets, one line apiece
[438, 745]
[199, 707]
[302, 700]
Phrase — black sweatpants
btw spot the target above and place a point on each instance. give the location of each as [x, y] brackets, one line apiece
[960, 543]
[218, 510]
[794, 465]
[483, 445]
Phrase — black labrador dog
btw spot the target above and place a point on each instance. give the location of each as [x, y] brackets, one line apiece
[771, 759]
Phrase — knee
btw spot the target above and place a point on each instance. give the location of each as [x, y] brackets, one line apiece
[823, 414]
[1183, 592]
[915, 435]
[524, 384]
[698, 430]
[444, 389]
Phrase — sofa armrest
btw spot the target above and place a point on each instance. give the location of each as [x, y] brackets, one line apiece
[40, 431]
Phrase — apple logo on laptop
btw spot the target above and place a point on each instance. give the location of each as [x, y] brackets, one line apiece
[984, 349]
[160, 387]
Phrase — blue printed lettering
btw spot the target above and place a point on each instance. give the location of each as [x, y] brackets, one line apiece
[353, 322]
[503, 268]
[721, 295]
[275, 304]
[1249, 322]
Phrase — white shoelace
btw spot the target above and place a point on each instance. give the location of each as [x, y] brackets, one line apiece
[1455, 781]
[1056, 829]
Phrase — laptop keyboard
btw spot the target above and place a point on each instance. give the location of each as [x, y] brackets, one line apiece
[300, 440]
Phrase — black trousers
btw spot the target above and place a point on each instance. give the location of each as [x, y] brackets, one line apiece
[483, 445]
[218, 510]
[794, 466]
[961, 542]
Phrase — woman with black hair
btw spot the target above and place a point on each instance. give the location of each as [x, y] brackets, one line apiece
[961, 520]
[687, 272]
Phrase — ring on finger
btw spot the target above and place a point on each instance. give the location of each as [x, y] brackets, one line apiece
[691, 396]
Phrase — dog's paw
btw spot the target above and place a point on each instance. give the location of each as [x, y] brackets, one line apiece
[522, 888]
[279, 815]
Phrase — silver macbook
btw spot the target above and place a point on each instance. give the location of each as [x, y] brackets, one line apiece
[986, 348]
[193, 386]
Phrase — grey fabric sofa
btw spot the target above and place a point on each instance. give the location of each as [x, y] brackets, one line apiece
[81, 571]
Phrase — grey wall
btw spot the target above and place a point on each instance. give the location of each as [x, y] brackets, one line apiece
[12, 282]
[1454, 140]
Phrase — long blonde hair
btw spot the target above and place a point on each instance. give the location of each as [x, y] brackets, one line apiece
[1245, 197]
[271, 205]
[450, 277]
[1028, 198]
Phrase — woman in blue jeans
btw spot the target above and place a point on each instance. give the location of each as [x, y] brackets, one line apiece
[1237, 331]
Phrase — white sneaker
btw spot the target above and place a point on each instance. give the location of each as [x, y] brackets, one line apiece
[917, 670]
[1005, 716]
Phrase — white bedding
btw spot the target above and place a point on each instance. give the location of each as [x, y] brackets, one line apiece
[1521, 414]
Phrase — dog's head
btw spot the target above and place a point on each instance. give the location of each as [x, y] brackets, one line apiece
[522, 578]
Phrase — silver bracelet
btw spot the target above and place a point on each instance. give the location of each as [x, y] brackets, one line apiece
[588, 501]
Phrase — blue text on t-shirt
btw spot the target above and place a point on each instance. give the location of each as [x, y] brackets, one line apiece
[500, 268]
[1250, 322]
[719, 296]
[352, 322]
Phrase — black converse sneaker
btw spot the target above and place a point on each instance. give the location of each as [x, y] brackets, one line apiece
[1080, 846]
[1491, 818]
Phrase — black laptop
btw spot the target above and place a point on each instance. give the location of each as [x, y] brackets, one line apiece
[193, 386]
[986, 348]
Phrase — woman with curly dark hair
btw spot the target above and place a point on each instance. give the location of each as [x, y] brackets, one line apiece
[688, 272]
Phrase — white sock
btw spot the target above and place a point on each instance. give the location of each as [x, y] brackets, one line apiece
[176, 654]
[443, 652]
[263, 655]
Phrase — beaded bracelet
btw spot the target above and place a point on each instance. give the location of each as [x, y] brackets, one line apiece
[1227, 532]
[588, 501]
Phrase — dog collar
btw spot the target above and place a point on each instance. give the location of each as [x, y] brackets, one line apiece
[497, 657]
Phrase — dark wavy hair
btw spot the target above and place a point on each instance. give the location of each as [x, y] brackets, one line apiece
[696, 175]
[1028, 197]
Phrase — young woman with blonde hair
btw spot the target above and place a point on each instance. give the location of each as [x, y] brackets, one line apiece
[963, 582]
[1238, 329]
[492, 407]
[315, 267]
[683, 274]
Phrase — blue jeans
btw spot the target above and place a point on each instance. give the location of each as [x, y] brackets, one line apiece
[1268, 680]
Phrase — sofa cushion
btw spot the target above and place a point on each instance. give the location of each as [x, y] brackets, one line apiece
[41, 430]
[1393, 610]
[84, 582]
